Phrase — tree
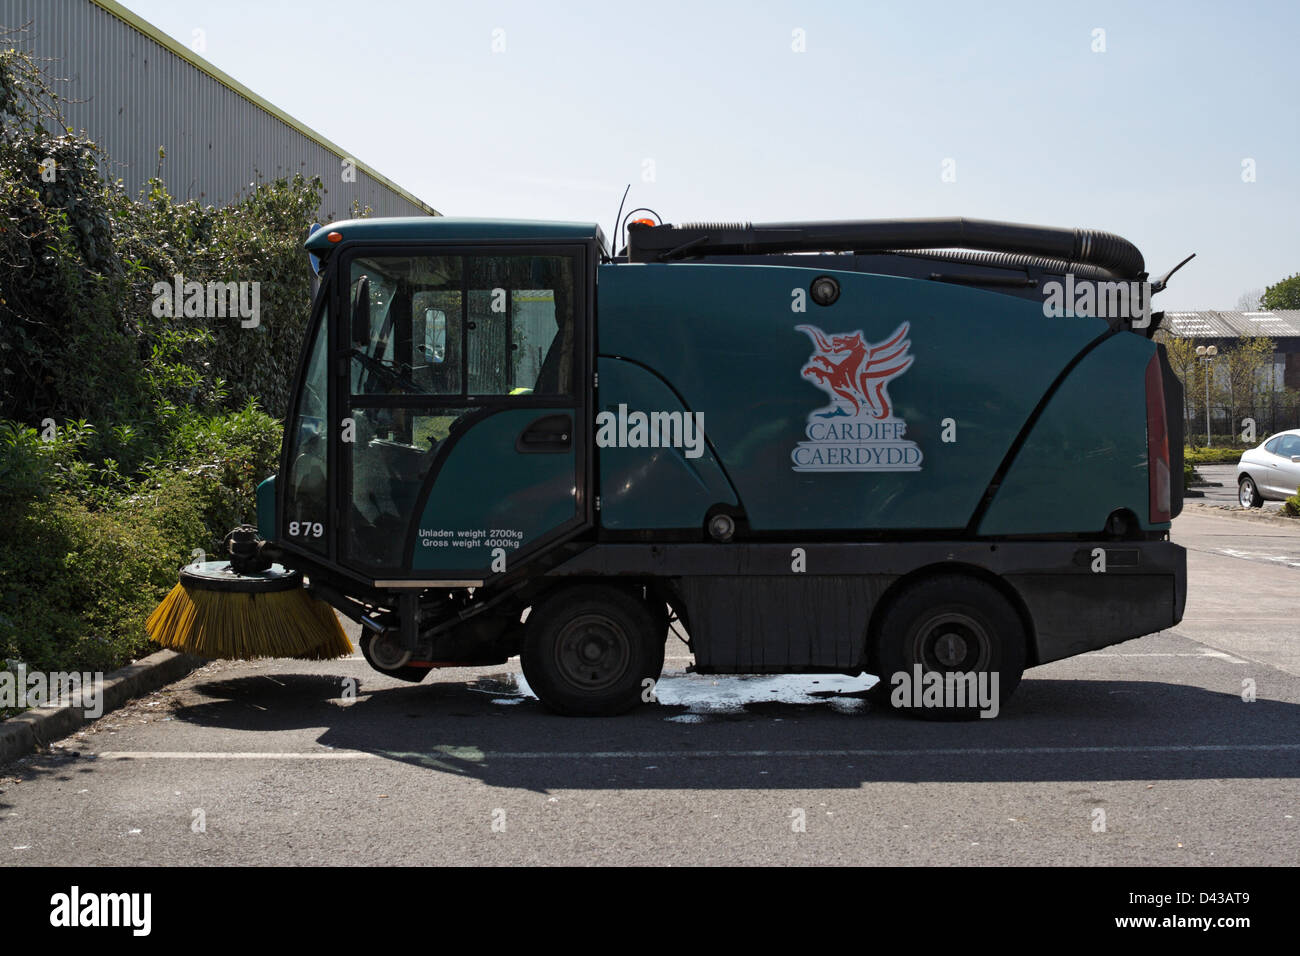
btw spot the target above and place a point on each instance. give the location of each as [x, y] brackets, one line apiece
[1249, 301]
[1245, 361]
[1182, 359]
[1283, 295]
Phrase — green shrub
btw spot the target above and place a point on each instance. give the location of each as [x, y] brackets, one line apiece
[222, 459]
[1213, 456]
[151, 431]
[1291, 507]
[76, 585]
[87, 558]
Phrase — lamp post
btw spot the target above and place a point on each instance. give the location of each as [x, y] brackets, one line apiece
[1207, 353]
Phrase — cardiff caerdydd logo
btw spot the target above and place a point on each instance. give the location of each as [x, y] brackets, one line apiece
[858, 431]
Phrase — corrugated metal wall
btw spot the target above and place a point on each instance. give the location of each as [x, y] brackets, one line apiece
[138, 95]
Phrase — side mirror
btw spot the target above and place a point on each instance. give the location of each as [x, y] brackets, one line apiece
[1296, 459]
[312, 259]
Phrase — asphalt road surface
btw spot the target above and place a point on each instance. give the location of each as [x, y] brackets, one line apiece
[1222, 487]
[1143, 753]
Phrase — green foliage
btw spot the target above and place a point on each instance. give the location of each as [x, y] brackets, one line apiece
[82, 263]
[1283, 295]
[77, 584]
[258, 239]
[90, 552]
[1189, 474]
[129, 437]
[1291, 507]
[222, 459]
[1217, 455]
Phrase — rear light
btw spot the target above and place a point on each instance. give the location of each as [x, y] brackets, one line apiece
[1158, 472]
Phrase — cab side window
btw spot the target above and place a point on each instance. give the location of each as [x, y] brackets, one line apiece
[405, 325]
[453, 325]
[519, 325]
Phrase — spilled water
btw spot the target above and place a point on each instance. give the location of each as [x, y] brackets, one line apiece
[711, 695]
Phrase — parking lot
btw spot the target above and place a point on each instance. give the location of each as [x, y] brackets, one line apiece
[1143, 753]
[1221, 487]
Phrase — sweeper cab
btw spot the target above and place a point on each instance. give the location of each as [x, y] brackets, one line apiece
[910, 448]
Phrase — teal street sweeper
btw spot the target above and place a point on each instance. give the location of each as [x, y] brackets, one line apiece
[921, 449]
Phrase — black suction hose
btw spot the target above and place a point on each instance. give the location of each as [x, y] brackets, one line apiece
[1093, 247]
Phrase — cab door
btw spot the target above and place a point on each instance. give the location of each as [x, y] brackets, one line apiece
[463, 380]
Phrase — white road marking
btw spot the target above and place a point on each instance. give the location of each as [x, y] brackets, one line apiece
[473, 753]
[1284, 559]
[1218, 655]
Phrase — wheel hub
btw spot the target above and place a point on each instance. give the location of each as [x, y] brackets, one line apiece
[953, 641]
[593, 652]
[950, 648]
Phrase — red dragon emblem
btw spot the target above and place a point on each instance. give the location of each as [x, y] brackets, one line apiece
[854, 371]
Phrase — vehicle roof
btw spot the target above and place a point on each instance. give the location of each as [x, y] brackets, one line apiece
[452, 229]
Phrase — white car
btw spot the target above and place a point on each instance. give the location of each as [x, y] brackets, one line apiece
[1270, 472]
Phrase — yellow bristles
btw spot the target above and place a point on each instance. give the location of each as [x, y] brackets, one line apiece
[244, 626]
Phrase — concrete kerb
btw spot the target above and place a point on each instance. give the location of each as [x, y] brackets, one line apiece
[1258, 515]
[40, 726]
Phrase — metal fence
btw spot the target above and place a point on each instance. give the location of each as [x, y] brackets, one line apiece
[1229, 424]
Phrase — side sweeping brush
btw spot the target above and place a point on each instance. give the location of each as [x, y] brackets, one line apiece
[215, 612]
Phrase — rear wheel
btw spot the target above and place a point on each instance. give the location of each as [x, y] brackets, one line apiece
[1247, 494]
[589, 652]
[949, 648]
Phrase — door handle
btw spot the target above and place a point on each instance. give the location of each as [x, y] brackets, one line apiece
[550, 433]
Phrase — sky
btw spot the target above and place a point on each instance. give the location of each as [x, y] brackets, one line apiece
[1173, 124]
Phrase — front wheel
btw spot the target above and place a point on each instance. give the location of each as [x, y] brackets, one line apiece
[385, 654]
[949, 648]
[592, 652]
[1248, 495]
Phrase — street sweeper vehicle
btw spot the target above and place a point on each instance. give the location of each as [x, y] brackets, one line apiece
[937, 451]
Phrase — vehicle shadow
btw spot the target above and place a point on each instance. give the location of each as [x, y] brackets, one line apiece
[1053, 730]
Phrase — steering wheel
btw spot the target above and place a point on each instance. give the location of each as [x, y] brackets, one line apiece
[389, 375]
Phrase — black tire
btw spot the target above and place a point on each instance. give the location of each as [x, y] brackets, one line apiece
[1248, 495]
[588, 651]
[948, 623]
[407, 673]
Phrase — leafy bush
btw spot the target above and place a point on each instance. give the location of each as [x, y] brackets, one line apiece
[1213, 456]
[89, 553]
[1291, 507]
[76, 585]
[79, 263]
[222, 459]
[128, 437]
[83, 562]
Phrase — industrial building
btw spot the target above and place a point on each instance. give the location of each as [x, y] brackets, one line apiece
[1224, 329]
[134, 90]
